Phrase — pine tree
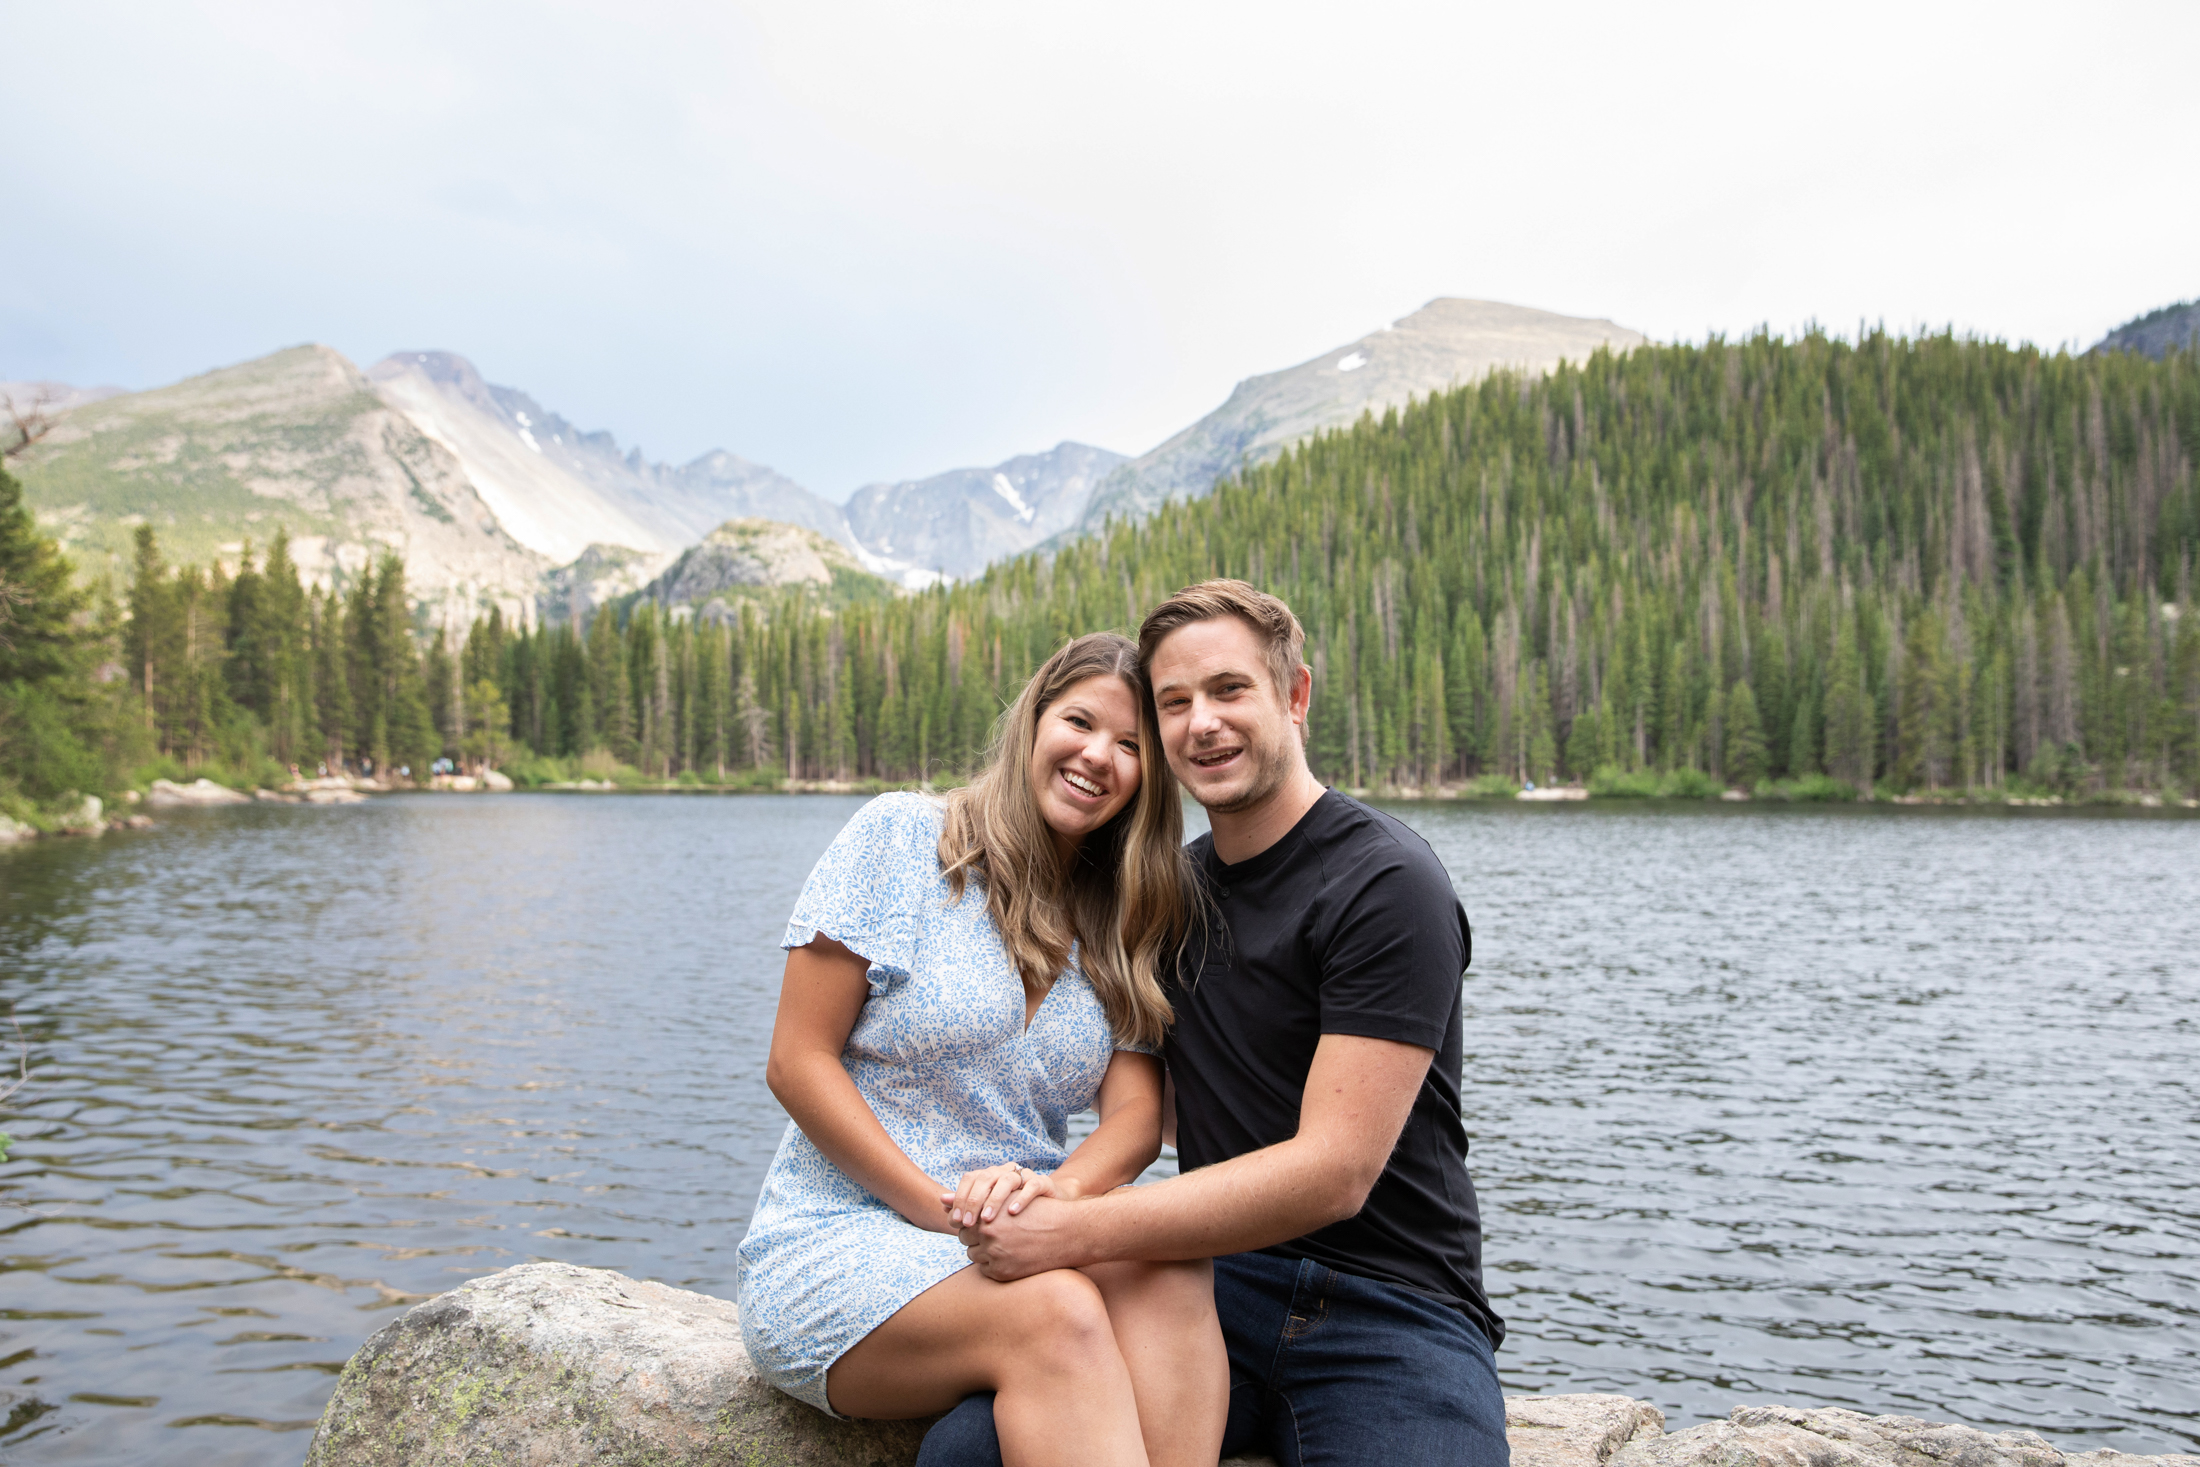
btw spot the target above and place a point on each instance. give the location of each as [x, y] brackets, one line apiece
[331, 678]
[39, 601]
[1851, 736]
[1925, 720]
[1745, 737]
[52, 715]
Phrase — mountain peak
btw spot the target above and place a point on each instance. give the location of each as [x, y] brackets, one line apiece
[560, 489]
[1448, 341]
[744, 556]
[446, 369]
[958, 522]
[297, 439]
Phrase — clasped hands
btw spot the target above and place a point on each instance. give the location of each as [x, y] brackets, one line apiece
[987, 1210]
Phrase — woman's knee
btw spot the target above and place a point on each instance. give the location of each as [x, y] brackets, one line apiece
[1058, 1314]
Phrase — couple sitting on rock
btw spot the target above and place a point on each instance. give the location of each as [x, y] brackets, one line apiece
[966, 974]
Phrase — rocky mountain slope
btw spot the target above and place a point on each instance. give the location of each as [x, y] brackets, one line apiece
[744, 556]
[299, 439]
[957, 523]
[1445, 342]
[559, 489]
[491, 498]
[2155, 333]
[602, 575]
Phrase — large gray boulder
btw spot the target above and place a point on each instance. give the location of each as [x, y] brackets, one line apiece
[561, 1366]
[555, 1365]
[168, 795]
[550, 1365]
[1790, 1436]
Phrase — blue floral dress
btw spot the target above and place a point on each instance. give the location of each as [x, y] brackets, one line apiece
[941, 1054]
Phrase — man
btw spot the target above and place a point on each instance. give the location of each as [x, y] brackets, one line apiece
[1315, 1064]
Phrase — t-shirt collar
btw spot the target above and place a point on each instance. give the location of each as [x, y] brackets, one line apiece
[1254, 867]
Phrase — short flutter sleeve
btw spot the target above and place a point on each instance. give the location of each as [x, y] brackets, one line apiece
[866, 892]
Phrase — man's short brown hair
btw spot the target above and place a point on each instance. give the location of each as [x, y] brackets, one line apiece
[1283, 640]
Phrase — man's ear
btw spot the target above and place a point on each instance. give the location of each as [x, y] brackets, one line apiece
[1302, 695]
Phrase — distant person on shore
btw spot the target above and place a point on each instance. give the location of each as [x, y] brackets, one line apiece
[963, 976]
[1314, 1064]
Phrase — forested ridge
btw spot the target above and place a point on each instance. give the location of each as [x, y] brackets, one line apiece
[1814, 567]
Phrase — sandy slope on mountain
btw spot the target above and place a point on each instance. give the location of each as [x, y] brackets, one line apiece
[543, 505]
[560, 488]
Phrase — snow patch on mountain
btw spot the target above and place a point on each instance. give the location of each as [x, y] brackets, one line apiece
[1007, 491]
[955, 524]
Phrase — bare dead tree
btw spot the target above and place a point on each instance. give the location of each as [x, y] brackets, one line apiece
[28, 422]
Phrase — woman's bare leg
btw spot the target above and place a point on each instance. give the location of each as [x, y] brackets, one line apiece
[1164, 1319]
[1043, 1345]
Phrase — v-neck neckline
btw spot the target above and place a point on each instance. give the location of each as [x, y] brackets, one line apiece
[1033, 1010]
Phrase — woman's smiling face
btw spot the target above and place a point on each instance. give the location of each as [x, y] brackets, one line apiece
[1084, 757]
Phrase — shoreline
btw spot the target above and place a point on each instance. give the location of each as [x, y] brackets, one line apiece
[1408, 795]
[91, 819]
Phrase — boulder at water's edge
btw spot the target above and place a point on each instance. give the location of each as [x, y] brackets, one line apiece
[167, 794]
[561, 1365]
[547, 1363]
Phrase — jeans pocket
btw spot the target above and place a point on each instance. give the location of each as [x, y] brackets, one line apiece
[1310, 1301]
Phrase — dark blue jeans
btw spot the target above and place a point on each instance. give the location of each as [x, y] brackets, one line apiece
[1325, 1369]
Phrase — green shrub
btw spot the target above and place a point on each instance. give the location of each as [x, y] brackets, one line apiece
[1689, 784]
[1489, 787]
[47, 753]
[166, 766]
[1810, 789]
[17, 806]
[533, 771]
[1611, 782]
[255, 771]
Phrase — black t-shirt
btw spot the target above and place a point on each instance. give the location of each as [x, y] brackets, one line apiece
[1348, 925]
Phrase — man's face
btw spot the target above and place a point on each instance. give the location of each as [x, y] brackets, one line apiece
[1232, 736]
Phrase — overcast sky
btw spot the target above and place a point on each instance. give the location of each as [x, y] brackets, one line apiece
[861, 241]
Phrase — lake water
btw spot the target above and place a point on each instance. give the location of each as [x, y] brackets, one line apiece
[1893, 1109]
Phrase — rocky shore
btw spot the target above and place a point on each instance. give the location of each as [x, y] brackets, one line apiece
[90, 818]
[547, 1362]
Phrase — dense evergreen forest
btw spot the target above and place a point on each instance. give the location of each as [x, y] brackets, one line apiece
[1816, 568]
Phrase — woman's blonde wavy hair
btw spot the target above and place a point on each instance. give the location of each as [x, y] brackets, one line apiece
[1125, 898]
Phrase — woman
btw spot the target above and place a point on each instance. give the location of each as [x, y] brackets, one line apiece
[962, 977]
